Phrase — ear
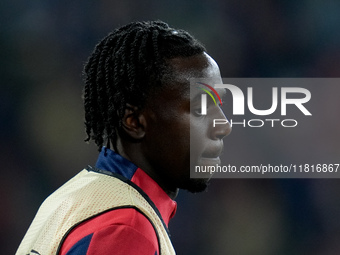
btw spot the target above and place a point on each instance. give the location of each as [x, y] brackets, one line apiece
[133, 122]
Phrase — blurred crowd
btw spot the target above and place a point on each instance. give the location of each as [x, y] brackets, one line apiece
[43, 47]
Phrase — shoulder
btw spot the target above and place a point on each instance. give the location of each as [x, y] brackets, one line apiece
[122, 231]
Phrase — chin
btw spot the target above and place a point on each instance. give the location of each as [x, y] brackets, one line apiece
[195, 185]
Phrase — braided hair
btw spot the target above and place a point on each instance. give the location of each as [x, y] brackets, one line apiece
[123, 68]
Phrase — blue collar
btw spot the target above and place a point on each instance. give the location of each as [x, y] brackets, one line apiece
[110, 161]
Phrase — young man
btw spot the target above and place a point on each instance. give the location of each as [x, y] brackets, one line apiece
[137, 102]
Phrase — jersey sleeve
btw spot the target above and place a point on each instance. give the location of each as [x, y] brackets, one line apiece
[123, 231]
[115, 239]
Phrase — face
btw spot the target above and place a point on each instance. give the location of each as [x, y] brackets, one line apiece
[171, 122]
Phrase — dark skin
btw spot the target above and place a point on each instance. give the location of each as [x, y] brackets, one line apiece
[157, 137]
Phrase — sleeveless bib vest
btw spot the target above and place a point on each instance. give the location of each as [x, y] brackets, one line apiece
[88, 194]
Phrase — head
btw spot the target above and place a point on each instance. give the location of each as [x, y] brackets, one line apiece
[137, 99]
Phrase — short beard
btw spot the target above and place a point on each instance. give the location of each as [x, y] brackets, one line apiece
[195, 185]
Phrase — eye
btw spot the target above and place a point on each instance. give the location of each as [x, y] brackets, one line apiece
[197, 112]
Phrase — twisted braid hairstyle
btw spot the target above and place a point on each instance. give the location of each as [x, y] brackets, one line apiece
[123, 68]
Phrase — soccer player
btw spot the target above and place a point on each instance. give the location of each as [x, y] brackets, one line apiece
[137, 110]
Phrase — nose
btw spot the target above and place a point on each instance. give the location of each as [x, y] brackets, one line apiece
[221, 126]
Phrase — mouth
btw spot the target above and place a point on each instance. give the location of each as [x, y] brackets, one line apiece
[213, 153]
[211, 156]
[210, 161]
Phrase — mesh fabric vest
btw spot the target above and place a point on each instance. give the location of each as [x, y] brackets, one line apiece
[86, 195]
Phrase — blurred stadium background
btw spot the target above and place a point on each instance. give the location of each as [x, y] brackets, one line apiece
[43, 47]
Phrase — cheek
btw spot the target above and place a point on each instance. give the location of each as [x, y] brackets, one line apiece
[198, 130]
[198, 138]
[171, 136]
[177, 132]
[172, 147]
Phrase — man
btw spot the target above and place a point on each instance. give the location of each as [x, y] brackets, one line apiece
[137, 102]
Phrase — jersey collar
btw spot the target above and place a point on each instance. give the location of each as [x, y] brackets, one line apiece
[110, 161]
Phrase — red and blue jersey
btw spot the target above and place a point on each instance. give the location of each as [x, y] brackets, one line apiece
[124, 230]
